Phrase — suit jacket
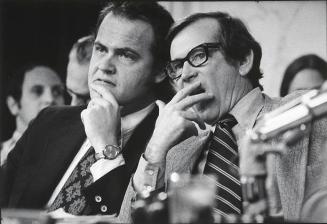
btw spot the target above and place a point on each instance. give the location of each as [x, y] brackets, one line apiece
[295, 174]
[43, 154]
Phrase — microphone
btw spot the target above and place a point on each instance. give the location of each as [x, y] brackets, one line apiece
[304, 109]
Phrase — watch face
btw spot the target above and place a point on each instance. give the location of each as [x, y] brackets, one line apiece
[111, 152]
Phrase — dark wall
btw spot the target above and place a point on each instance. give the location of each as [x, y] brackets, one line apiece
[40, 31]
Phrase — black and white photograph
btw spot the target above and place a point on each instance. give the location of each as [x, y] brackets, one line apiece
[144, 111]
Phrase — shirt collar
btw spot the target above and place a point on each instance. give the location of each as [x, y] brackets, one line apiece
[247, 109]
[16, 135]
[130, 121]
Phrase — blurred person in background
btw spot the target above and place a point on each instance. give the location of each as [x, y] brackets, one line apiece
[306, 72]
[77, 71]
[30, 89]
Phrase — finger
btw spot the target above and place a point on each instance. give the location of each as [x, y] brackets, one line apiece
[91, 103]
[100, 102]
[105, 94]
[160, 105]
[185, 92]
[82, 115]
[324, 86]
[192, 100]
[96, 93]
[193, 116]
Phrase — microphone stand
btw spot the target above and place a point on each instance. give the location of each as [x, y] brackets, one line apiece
[290, 122]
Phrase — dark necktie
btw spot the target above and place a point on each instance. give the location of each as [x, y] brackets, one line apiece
[221, 162]
[71, 197]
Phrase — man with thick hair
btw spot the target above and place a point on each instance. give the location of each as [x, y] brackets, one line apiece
[215, 65]
[30, 89]
[84, 161]
[77, 71]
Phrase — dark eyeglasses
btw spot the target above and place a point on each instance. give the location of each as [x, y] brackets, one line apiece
[196, 57]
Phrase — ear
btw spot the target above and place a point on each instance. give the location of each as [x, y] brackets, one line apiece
[246, 64]
[160, 76]
[13, 105]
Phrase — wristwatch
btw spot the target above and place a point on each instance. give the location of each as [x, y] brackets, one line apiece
[109, 152]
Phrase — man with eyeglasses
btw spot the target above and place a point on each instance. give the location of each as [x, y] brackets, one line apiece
[215, 66]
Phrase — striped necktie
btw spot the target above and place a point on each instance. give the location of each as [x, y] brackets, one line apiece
[71, 197]
[221, 163]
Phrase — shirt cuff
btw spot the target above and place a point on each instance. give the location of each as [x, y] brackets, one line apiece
[104, 166]
[148, 177]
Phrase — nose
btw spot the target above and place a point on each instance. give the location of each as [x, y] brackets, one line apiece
[188, 73]
[48, 99]
[106, 64]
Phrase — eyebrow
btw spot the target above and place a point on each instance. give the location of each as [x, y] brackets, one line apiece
[118, 49]
[100, 44]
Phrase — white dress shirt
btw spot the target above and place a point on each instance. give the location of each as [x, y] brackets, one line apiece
[103, 166]
[8, 145]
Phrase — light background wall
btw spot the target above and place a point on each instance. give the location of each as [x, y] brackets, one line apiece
[285, 30]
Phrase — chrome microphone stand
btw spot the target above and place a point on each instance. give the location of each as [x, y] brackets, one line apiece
[289, 122]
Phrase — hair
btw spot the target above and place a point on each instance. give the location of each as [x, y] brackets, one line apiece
[160, 20]
[235, 39]
[83, 48]
[150, 12]
[17, 77]
[309, 61]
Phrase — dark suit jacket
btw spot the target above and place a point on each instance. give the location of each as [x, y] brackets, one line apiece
[43, 154]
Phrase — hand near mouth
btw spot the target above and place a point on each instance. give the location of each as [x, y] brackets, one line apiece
[176, 121]
[101, 119]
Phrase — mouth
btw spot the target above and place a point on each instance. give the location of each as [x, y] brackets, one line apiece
[202, 105]
[198, 90]
[104, 82]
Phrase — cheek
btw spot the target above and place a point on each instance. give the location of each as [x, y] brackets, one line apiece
[60, 100]
[137, 77]
[29, 109]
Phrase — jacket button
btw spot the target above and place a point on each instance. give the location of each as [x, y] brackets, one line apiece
[98, 198]
[148, 188]
[103, 208]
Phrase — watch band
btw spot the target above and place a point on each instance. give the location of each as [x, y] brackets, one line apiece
[109, 152]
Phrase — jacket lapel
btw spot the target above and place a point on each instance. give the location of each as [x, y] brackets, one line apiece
[183, 157]
[59, 149]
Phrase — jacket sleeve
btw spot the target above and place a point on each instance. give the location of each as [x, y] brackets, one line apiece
[10, 169]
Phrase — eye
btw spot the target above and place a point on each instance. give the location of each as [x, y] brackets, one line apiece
[176, 66]
[37, 90]
[99, 48]
[198, 56]
[126, 56]
[177, 78]
[57, 91]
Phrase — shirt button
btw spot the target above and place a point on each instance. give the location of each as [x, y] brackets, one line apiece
[150, 172]
[98, 198]
[148, 188]
[103, 208]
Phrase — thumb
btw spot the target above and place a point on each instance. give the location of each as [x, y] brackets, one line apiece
[160, 104]
[83, 115]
